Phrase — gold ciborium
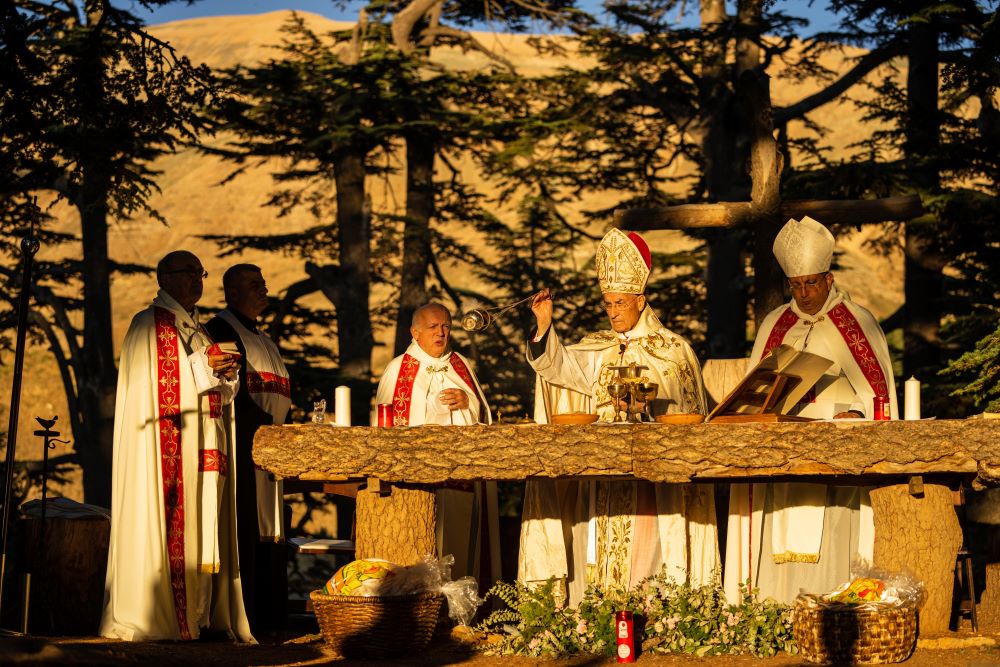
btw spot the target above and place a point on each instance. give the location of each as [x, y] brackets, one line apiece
[636, 387]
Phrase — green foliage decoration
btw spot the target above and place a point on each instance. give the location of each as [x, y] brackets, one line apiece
[669, 617]
[983, 365]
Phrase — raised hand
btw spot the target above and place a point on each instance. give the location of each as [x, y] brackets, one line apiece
[541, 306]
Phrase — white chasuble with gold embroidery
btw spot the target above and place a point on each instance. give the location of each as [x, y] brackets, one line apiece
[615, 534]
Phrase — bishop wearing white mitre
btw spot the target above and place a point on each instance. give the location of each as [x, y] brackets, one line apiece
[615, 534]
[787, 537]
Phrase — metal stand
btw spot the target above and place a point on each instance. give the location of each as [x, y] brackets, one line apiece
[29, 246]
[50, 438]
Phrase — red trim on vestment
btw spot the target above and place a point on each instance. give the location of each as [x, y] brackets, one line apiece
[214, 404]
[785, 322]
[212, 460]
[466, 375]
[403, 392]
[268, 383]
[169, 422]
[859, 346]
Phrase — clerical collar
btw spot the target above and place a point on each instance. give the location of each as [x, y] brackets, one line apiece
[169, 302]
[416, 351]
[244, 320]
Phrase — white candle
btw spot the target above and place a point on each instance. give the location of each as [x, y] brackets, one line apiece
[342, 403]
[911, 398]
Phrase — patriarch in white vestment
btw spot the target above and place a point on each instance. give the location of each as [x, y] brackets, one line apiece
[263, 398]
[791, 536]
[173, 567]
[615, 534]
[432, 384]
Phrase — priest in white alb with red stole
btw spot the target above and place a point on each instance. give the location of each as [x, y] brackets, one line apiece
[173, 567]
[791, 536]
[615, 534]
[432, 384]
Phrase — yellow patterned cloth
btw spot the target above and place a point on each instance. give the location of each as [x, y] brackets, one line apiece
[859, 591]
[351, 579]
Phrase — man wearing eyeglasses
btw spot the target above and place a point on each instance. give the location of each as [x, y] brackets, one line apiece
[172, 563]
[615, 534]
[807, 535]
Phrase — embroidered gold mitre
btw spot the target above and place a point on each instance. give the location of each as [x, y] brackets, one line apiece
[620, 265]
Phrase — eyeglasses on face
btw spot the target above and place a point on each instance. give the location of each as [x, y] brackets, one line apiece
[191, 272]
[810, 285]
[618, 305]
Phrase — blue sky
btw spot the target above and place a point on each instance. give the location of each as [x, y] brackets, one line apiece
[815, 11]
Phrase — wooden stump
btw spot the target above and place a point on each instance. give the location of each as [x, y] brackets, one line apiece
[67, 588]
[398, 526]
[988, 610]
[920, 535]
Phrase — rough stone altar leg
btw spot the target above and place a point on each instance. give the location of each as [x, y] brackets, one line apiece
[989, 604]
[921, 535]
[397, 527]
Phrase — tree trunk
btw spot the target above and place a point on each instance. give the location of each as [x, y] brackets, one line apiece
[398, 527]
[98, 379]
[920, 535]
[725, 180]
[354, 326]
[924, 287]
[754, 91]
[420, 154]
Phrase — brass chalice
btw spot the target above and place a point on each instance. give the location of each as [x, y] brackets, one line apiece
[646, 392]
[618, 391]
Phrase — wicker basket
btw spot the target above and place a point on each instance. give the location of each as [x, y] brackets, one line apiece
[850, 635]
[377, 627]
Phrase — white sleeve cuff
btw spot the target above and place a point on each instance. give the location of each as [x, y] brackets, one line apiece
[204, 377]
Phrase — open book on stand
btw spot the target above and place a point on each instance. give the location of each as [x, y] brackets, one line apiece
[772, 388]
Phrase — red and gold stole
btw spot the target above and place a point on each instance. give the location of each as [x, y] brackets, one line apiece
[850, 330]
[785, 322]
[860, 347]
[169, 422]
[403, 392]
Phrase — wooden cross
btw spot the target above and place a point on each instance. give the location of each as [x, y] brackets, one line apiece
[765, 212]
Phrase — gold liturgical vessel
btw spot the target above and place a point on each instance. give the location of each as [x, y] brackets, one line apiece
[631, 386]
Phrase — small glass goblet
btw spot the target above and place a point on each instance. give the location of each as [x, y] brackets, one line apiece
[618, 391]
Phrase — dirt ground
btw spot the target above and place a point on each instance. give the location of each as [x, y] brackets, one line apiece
[288, 651]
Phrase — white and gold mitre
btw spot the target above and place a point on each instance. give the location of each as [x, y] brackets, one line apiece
[804, 247]
[622, 263]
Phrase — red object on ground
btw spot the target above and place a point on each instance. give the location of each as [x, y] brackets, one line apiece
[625, 632]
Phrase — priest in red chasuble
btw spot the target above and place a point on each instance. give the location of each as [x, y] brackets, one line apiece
[784, 537]
[263, 398]
[173, 568]
[432, 384]
[615, 534]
